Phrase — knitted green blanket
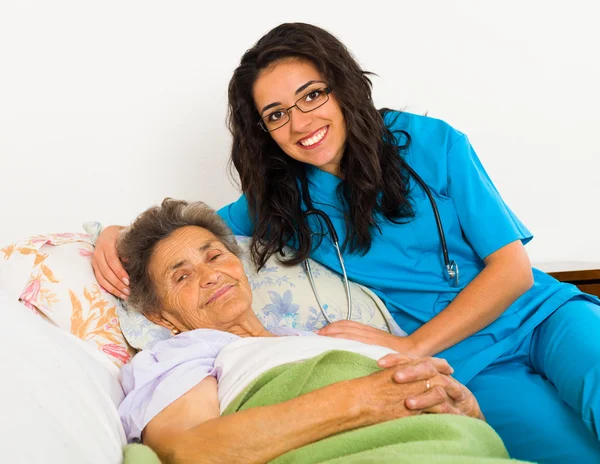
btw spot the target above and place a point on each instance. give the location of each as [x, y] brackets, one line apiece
[429, 438]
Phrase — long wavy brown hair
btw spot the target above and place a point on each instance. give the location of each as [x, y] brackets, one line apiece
[275, 185]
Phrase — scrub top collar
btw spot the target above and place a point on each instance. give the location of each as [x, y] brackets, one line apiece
[322, 182]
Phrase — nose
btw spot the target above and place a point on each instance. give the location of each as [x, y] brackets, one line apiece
[208, 276]
[299, 120]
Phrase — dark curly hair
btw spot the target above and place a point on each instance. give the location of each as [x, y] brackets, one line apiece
[275, 185]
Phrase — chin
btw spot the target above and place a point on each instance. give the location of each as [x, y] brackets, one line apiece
[234, 308]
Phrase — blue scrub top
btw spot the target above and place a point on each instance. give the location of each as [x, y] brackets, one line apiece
[405, 265]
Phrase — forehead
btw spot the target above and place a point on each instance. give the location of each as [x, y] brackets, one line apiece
[280, 81]
[184, 242]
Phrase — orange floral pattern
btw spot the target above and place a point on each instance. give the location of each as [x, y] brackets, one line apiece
[54, 279]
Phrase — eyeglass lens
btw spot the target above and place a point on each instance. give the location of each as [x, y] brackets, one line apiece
[311, 100]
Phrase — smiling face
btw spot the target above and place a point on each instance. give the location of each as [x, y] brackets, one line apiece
[317, 137]
[199, 282]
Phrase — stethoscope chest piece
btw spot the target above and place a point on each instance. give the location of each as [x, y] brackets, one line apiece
[453, 273]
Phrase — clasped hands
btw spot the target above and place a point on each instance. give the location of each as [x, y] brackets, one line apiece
[429, 387]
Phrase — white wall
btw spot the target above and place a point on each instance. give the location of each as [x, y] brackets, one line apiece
[107, 107]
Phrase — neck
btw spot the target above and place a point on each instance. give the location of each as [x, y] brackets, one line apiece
[333, 170]
[248, 326]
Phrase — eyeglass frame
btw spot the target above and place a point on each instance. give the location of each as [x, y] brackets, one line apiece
[327, 91]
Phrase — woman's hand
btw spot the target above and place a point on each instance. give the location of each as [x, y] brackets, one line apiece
[352, 330]
[107, 267]
[380, 398]
[413, 387]
[191, 425]
[443, 395]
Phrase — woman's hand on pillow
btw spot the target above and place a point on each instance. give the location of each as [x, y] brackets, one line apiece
[107, 267]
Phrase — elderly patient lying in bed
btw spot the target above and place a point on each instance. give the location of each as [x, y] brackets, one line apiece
[225, 389]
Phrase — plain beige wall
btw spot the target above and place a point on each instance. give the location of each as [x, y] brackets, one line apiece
[108, 107]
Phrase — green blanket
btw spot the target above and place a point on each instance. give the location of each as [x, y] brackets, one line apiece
[429, 438]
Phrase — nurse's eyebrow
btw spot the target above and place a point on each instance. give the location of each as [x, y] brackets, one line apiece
[298, 90]
[302, 87]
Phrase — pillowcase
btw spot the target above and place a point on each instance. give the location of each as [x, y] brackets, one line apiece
[53, 277]
[282, 297]
[58, 397]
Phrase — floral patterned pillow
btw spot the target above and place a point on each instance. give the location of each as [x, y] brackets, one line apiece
[53, 277]
[282, 297]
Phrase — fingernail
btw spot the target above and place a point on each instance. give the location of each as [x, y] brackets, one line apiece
[382, 363]
[399, 376]
[123, 297]
[126, 291]
[126, 281]
[411, 403]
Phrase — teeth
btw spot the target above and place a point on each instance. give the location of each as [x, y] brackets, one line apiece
[314, 139]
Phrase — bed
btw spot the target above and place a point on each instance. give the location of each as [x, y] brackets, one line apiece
[67, 339]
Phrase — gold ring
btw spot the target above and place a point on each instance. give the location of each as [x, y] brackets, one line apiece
[428, 384]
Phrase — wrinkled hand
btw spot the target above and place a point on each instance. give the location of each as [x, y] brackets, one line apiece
[445, 394]
[352, 330]
[106, 264]
[380, 398]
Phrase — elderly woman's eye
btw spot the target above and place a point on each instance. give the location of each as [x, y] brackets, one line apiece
[182, 277]
[212, 258]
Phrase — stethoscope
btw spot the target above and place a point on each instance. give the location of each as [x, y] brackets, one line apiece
[451, 268]
[336, 243]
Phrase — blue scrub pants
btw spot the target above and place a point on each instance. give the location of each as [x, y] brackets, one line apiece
[543, 397]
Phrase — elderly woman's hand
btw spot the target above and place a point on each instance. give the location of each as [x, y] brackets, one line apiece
[442, 395]
[382, 397]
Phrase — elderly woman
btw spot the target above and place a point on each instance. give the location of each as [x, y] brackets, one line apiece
[226, 389]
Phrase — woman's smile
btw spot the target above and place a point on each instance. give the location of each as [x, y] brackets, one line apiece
[215, 293]
[314, 139]
[222, 291]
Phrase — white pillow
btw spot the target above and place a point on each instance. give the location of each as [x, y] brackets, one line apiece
[282, 297]
[58, 395]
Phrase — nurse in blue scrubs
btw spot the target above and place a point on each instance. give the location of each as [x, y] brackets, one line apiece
[526, 345]
[306, 135]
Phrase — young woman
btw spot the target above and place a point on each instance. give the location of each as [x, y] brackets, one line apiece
[421, 224]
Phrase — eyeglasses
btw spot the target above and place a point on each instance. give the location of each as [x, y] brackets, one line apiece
[312, 99]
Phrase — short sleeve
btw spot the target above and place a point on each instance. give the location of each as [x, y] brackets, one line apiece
[157, 377]
[237, 217]
[487, 222]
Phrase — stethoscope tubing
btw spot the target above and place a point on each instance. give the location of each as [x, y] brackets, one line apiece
[334, 238]
[436, 213]
[452, 269]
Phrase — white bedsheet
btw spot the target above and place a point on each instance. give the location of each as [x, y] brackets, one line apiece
[242, 361]
[58, 396]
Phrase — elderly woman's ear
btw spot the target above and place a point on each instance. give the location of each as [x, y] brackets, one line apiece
[159, 319]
